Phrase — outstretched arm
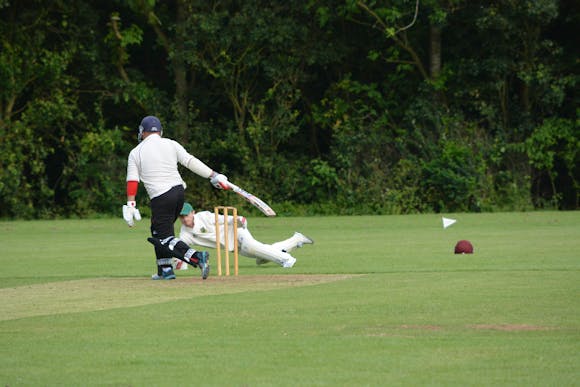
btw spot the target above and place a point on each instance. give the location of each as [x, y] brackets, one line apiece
[198, 167]
[216, 179]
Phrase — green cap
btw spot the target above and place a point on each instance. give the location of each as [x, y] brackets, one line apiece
[187, 209]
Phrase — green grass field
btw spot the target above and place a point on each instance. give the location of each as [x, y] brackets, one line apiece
[377, 300]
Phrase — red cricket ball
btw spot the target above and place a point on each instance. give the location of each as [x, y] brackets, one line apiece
[464, 247]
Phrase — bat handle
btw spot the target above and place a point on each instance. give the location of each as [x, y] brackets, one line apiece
[233, 187]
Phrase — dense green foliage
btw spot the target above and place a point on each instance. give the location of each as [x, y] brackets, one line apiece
[317, 106]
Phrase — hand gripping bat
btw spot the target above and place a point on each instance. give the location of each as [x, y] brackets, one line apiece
[255, 201]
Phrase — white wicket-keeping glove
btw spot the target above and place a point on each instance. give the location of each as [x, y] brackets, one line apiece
[219, 181]
[130, 213]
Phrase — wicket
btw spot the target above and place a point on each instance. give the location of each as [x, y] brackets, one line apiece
[225, 210]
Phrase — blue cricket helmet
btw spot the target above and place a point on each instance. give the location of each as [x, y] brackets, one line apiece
[149, 124]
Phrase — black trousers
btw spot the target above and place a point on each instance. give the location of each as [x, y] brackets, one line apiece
[165, 210]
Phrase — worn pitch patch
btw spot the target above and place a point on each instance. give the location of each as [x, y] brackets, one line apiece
[110, 293]
[411, 330]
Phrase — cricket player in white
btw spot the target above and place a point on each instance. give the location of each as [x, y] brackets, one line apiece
[198, 228]
[154, 162]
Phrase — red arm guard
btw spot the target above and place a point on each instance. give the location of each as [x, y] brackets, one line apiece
[132, 186]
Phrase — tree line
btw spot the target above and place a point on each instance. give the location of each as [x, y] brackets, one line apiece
[317, 106]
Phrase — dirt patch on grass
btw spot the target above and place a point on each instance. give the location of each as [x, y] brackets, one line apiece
[109, 293]
[493, 327]
[510, 327]
[415, 330]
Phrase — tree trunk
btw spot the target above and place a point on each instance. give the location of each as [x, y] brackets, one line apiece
[435, 51]
[180, 74]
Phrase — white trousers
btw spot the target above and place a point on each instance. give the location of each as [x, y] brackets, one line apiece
[276, 252]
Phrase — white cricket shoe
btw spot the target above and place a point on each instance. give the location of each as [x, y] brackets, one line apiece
[289, 263]
[302, 239]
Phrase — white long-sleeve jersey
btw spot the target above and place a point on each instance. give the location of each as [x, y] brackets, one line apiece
[203, 231]
[154, 162]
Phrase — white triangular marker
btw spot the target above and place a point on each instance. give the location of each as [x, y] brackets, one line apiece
[447, 222]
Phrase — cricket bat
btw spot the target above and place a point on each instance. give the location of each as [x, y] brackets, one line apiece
[254, 200]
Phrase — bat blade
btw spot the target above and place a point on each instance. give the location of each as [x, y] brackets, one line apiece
[254, 200]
